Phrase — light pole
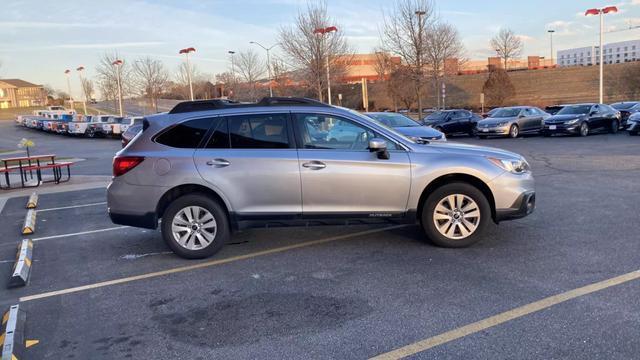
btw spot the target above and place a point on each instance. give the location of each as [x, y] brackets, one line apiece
[84, 92]
[67, 74]
[601, 12]
[118, 64]
[323, 32]
[267, 49]
[551, 43]
[186, 52]
[420, 14]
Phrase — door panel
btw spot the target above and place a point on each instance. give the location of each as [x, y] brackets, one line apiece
[343, 176]
[250, 159]
[354, 181]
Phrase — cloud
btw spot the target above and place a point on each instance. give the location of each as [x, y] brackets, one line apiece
[49, 25]
[114, 45]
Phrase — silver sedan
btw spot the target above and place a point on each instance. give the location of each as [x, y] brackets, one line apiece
[512, 121]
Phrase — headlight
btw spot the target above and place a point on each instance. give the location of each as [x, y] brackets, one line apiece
[520, 166]
[502, 123]
[571, 122]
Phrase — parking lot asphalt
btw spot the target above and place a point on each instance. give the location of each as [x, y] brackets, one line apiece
[101, 291]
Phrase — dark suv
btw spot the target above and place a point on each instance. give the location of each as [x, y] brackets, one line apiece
[453, 121]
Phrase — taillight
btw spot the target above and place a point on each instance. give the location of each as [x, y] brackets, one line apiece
[122, 165]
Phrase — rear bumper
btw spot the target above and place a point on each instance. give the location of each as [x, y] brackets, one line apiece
[147, 221]
[133, 205]
[524, 205]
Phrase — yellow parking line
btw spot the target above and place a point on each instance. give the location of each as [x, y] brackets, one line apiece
[204, 264]
[495, 320]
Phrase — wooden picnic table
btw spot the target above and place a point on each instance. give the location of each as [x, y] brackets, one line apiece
[27, 164]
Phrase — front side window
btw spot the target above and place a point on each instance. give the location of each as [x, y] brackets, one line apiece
[319, 131]
[186, 135]
[259, 131]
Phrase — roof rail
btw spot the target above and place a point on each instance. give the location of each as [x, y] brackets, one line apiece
[216, 104]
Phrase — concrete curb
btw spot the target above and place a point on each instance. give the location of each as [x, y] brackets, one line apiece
[22, 267]
[12, 333]
[29, 226]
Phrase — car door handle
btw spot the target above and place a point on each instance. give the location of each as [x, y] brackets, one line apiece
[315, 165]
[218, 163]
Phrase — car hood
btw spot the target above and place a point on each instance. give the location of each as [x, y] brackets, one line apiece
[418, 131]
[562, 118]
[465, 149]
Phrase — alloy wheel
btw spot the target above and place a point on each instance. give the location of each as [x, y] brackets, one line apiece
[513, 131]
[456, 216]
[194, 227]
[584, 129]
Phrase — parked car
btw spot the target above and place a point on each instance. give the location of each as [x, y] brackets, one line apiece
[130, 133]
[634, 124]
[582, 119]
[206, 168]
[626, 108]
[128, 121]
[553, 109]
[96, 127]
[512, 121]
[407, 126]
[489, 113]
[453, 121]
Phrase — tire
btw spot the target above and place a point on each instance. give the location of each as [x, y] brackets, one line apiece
[615, 126]
[461, 191]
[194, 247]
[482, 136]
[584, 129]
[514, 131]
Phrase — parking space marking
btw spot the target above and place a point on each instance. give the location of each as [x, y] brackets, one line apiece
[204, 264]
[72, 206]
[496, 320]
[78, 233]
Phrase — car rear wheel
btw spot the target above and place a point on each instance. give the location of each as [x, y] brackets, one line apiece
[615, 126]
[195, 226]
[514, 131]
[455, 215]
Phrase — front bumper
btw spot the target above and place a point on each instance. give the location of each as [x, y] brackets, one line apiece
[561, 128]
[496, 130]
[634, 126]
[524, 205]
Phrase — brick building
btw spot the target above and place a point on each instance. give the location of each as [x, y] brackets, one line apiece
[20, 93]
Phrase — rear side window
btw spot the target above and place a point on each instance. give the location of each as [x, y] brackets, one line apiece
[186, 135]
[220, 135]
[259, 131]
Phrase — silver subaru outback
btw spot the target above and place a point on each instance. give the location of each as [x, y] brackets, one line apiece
[207, 168]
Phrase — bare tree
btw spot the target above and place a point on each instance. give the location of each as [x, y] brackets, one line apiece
[404, 33]
[498, 88]
[507, 45]
[442, 43]
[309, 51]
[388, 71]
[87, 89]
[280, 74]
[198, 79]
[151, 77]
[107, 77]
[250, 68]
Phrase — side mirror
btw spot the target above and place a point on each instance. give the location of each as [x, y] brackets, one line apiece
[379, 146]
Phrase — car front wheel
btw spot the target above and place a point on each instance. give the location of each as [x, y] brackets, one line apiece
[514, 131]
[455, 215]
[584, 129]
[615, 126]
[195, 226]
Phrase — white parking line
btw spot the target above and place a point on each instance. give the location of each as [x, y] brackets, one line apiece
[72, 206]
[78, 233]
[205, 264]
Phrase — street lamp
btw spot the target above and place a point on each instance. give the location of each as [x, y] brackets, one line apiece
[186, 52]
[67, 74]
[118, 64]
[233, 65]
[601, 12]
[551, 42]
[267, 49]
[323, 32]
[84, 92]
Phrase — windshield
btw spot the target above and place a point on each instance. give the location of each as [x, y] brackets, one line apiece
[575, 109]
[438, 115]
[623, 106]
[506, 112]
[393, 120]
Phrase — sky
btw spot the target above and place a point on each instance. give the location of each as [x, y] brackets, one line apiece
[39, 39]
